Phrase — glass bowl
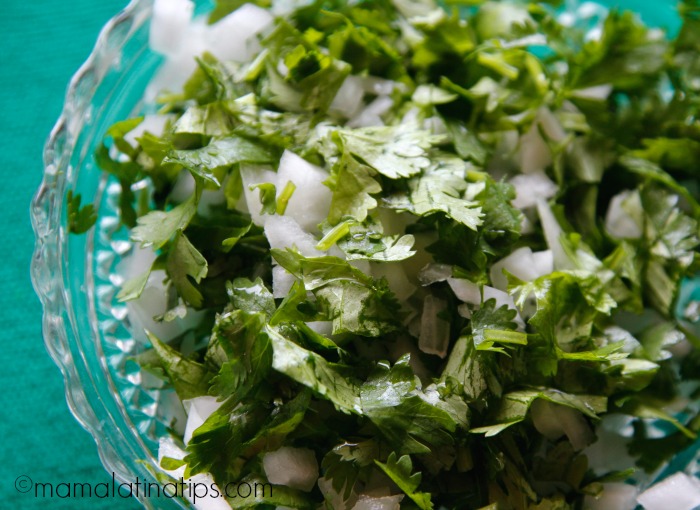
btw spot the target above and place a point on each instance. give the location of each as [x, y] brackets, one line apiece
[85, 328]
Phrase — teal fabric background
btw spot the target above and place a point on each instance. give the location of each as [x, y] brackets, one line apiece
[42, 43]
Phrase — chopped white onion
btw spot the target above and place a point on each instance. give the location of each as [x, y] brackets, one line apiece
[433, 273]
[366, 502]
[202, 500]
[534, 154]
[624, 218]
[379, 86]
[154, 124]
[283, 232]
[394, 222]
[168, 448]
[678, 492]
[234, 36]
[465, 290]
[348, 100]
[552, 233]
[434, 331]
[282, 281]
[503, 299]
[523, 264]
[395, 277]
[183, 187]
[210, 198]
[179, 66]
[597, 93]
[553, 420]
[371, 115]
[609, 452]
[405, 345]
[311, 200]
[198, 410]
[252, 175]
[530, 188]
[153, 300]
[333, 497]
[293, 467]
[614, 496]
[169, 21]
[324, 328]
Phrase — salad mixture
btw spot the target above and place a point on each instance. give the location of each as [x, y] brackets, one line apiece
[397, 255]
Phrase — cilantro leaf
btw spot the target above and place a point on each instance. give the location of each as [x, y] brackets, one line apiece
[440, 188]
[397, 151]
[80, 219]
[183, 262]
[157, 227]
[399, 470]
[352, 185]
[513, 407]
[355, 302]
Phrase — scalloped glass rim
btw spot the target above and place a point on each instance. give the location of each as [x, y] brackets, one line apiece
[83, 326]
[70, 325]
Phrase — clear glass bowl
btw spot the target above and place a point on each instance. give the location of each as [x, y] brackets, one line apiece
[86, 330]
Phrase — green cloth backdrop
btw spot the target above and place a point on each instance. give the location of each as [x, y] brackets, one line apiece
[42, 43]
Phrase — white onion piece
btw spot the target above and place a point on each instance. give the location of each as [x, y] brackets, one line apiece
[363, 265]
[252, 175]
[282, 281]
[435, 125]
[394, 222]
[179, 66]
[465, 290]
[434, 331]
[503, 299]
[380, 105]
[169, 21]
[324, 328]
[405, 345]
[209, 199]
[365, 119]
[195, 491]
[433, 273]
[348, 100]
[371, 115]
[154, 124]
[293, 467]
[153, 300]
[234, 36]
[553, 420]
[366, 502]
[380, 86]
[283, 232]
[183, 187]
[597, 93]
[523, 264]
[530, 188]
[534, 153]
[332, 497]
[624, 218]
[311, 200]
[198, 410]
[552, 233]
[615, 496]
[678, 492]
[168, 448]
[395, 277]
[544, 418]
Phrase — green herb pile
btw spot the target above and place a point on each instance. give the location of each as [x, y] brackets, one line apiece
[393, 355]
